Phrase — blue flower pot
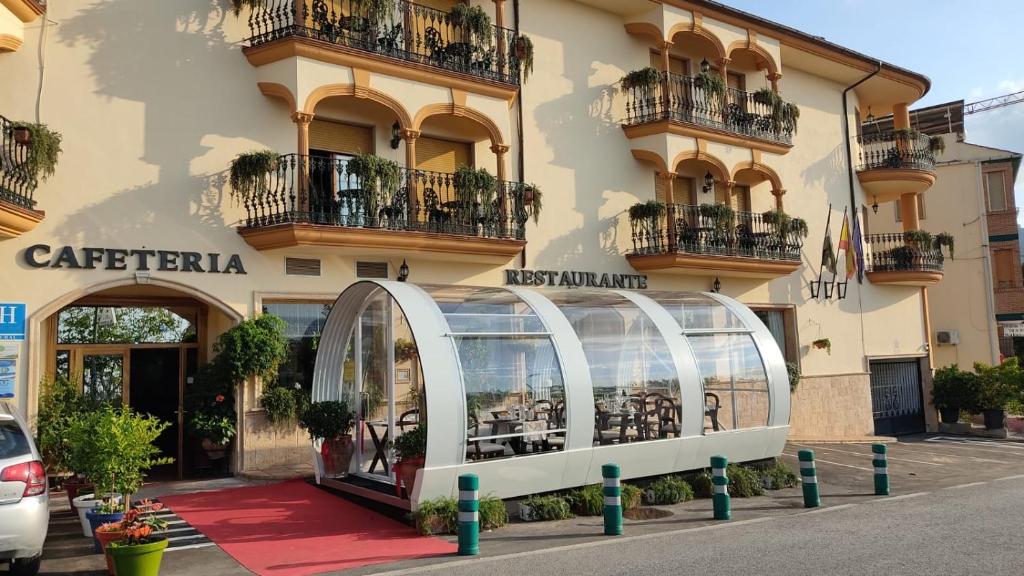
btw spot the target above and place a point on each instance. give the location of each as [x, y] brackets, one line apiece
[96, 520]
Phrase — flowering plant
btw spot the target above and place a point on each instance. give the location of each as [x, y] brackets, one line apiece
[138, 524]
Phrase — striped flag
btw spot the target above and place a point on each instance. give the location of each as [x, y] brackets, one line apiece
[844, 245]
[858, 248]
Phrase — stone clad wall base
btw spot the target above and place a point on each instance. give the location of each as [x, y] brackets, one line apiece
[832, 408]
[274, 450]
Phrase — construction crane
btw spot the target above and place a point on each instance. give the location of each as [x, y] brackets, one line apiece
[993, 103]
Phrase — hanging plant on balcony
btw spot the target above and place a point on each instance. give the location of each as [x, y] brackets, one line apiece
[250, 171]
[44, 150]
[473, 20]
[936, 145]
[766, 96]
[721, 216]
[377, 11]
[918, 239]
[646, 78]
[533, 198]
[650, 210]
[823, 344]
[475, 186]
[524, 55]
[905, 134]
[788, 115]
[944, 240]
[371, 170]
[238, 5]
[798, 227]
[711, 83]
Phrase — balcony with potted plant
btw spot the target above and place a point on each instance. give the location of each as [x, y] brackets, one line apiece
[28, 155]
[460, 47]
[367, 202]
[912, 258]
[896, 163]
[714, 239]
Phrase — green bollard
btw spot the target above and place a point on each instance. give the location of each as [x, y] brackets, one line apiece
[469, 515]
[612, 500]
[720, 499]
[812, 499]
[881, 464]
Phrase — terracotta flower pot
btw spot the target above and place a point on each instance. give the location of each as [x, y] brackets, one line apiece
[22, 136]
[106, 537]
[213, 450]
[74, 487]
[407, 472]
[96, 520]
[337, 453]
[528, 196]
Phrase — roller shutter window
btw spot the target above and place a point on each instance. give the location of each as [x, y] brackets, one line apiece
[340, 138]
[742, 198]
[1004, 268]
[442, 155]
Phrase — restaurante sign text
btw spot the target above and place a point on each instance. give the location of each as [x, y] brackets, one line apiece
[574, 279]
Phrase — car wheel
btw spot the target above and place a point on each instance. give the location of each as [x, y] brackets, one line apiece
[26, 566]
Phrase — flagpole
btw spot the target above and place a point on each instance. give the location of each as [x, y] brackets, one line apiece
[831, 289]
[821, 265]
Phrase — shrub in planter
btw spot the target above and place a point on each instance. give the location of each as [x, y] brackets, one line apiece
[954, 390]
[701, 484]
[437, 516]
[493, 513]
[743, 482]
[60, 404]
[410, 450]
[549, 507]
[668, 490]
[777, 476]
[332, 422]
[279, 403]
[997, 387]
[587, 501]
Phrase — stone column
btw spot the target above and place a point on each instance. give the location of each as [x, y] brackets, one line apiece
[499, 22]
[666, 63]
[668, 180]
[412, 186]
[500, 151]
[773, 79]
[778, 194]
[908, 212]
[302, 121]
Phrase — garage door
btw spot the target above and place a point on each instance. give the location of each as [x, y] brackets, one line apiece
[896, 397]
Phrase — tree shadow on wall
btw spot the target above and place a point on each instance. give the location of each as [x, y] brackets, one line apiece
[197, 94]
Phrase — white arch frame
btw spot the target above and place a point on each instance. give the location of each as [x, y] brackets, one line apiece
[580, 462]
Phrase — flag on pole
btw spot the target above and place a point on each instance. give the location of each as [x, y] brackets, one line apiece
[844, 245]
[828, 254]
[858, 248]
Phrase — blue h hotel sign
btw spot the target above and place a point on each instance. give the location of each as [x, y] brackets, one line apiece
[12, 321]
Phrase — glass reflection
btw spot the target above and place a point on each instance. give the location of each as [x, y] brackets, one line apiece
[735, 383]
[695, 311]
[485, 310]
[636, 386]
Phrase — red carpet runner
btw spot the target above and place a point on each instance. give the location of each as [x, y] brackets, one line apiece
[293, 529]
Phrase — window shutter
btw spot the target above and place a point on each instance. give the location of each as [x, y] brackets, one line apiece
[442, 155]
[302, 266]
[340, 138]
[372, 270]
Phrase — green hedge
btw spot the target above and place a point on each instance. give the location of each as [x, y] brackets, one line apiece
[440, 515]
[549, 507]
[668, 490]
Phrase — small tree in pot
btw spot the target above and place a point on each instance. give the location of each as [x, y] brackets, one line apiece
[997, 387]
[331, 421]
[954, 390]
[410, 450]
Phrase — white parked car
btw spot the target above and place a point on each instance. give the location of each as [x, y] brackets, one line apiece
[24, 501]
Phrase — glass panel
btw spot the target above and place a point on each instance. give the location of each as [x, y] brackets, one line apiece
[125, 325]
[636, 386]
[103, 377]
[305, 322]
[775, 322]
[515, 396]
[63, 367]
[13, 441]
[485, 310]
[695, 311]
[735, 383]
[996, 186]
[375, 397]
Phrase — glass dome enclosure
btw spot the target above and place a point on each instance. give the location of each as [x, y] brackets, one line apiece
[534, 389]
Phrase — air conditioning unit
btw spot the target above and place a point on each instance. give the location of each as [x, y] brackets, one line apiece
[948, 337]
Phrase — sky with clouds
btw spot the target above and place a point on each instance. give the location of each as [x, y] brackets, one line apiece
[970, 50]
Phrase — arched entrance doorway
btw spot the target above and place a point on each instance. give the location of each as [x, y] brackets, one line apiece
[136, 344]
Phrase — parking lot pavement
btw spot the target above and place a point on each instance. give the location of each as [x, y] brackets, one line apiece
[918, 466]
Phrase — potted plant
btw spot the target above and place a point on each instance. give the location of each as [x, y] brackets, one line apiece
[765, 96]
[139, 551]
[944, 239]
[410, 451]
[644, 78]
[997, 387]
[936, 145]
[474, 186]
[721, 216]
[710, 82]
[533, 200]
[474, 22]
[650, 210]
[60, 404]
[332, 422]
[524, 54]
[44, 149]
[954, 390]
[823, 344]
[249, 175]
[22, 135]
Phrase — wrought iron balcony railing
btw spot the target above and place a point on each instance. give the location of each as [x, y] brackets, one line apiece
[322, 190]
[898, 252]
[736, 111]
[907, 150]
[17, 182]
[413, 33]
[708, 230]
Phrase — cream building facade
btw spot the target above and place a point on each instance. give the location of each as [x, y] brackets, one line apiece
[155, 99]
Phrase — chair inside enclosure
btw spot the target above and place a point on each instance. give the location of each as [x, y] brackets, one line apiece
[480, 449]
[711, 411]
[409, 418]
[668, 423]
[555, 421]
